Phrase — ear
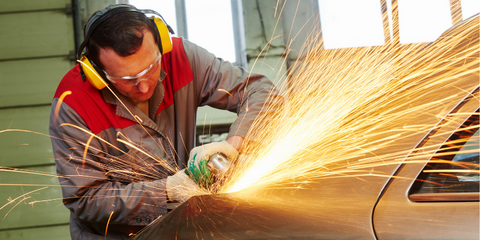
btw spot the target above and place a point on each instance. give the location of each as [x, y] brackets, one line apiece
[91, 74]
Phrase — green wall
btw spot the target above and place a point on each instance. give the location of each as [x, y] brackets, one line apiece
[37, 47]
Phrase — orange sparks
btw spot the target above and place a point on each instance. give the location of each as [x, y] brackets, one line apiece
[59, 104]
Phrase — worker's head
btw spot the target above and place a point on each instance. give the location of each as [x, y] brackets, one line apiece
[135, 75]
[122, 32]
[124, 47]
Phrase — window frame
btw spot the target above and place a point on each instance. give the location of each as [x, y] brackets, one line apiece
[238, 28]
[390, 18]
[415, 192]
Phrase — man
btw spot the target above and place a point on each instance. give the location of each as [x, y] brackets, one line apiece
[119, 149]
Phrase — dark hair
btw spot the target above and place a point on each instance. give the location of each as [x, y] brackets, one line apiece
[122, 32]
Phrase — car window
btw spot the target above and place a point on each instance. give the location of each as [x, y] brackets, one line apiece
[454, 168]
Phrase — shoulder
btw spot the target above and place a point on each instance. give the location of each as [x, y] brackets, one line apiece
[177, 65]
[77, 93]
[72, 82]
[86, 101]
[195, 52]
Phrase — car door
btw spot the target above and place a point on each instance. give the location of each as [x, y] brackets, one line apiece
[435, 193]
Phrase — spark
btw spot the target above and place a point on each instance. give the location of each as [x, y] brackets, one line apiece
[59, 104]
[223, 90]
[23, 197]
[18, 170]
[108, 223]
[45, 200]
[452, 171]
[349, 109]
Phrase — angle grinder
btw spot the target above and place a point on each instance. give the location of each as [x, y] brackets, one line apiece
[212, 171]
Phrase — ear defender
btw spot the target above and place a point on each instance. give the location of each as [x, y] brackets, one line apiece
[89, 72]
[88, 69]
[165, 39]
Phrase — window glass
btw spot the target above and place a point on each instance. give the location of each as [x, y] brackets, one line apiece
[209, 23]
[165, 7]
[423, 20]
[351, 23]
[469, 154]
[470, 8]
[454, 168]
[210, 26]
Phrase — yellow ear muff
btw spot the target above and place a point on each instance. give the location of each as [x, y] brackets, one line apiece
[165, 38]
[93, 77]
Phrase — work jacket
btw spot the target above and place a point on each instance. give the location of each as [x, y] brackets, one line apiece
[113, 160]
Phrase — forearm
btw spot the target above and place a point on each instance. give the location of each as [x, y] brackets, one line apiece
[260, 99]
[235, 141]
[221, 85]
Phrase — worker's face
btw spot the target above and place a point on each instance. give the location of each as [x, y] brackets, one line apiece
[118, 66]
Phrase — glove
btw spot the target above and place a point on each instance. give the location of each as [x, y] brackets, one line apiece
[199, 156]
[180, 187]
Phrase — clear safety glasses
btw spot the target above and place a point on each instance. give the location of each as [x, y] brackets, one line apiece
[136, 79]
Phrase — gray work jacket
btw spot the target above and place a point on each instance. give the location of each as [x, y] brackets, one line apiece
[113, 160]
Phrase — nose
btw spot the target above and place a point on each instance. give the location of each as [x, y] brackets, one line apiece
[143, 86]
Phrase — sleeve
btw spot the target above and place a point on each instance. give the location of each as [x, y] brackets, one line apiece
[221, 85]
[88, 192]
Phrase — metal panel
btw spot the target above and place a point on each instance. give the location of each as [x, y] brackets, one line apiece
[36, 50]
[395, 212]
[19, 148]
[36, 34]
[61, 232]
[31, 82]
[31, 199]
[32, 5]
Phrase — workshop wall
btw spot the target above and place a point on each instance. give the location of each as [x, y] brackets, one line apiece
[37, 47]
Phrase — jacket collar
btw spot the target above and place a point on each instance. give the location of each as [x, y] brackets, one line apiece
[127, 109]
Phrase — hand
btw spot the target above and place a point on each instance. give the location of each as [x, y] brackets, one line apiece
[180, 187]
[197, 164]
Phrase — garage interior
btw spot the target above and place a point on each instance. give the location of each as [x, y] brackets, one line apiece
[38, 45]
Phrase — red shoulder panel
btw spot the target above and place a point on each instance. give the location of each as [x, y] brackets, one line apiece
[88, 102]
[179, 72]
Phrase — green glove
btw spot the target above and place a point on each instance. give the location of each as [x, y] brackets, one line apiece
[199, 156]
[199, 173]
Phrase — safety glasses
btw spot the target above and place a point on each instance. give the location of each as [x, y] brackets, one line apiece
[136, 79]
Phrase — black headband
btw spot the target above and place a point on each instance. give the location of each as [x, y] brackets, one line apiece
[108, 12]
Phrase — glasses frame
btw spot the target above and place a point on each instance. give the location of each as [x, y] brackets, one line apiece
[139, 76]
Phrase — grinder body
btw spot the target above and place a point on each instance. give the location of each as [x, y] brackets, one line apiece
[212, 171]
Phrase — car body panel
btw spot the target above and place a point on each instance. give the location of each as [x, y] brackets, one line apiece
[435, 219]
[312, 212]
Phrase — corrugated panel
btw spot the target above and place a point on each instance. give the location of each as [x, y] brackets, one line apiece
[36, 50]
[31, 81]
[19, 149]
[36, 34]
[31, 197]
[31, 5]
[61, 232]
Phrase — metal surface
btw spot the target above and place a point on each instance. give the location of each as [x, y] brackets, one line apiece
[437, 218]
[321, 211]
